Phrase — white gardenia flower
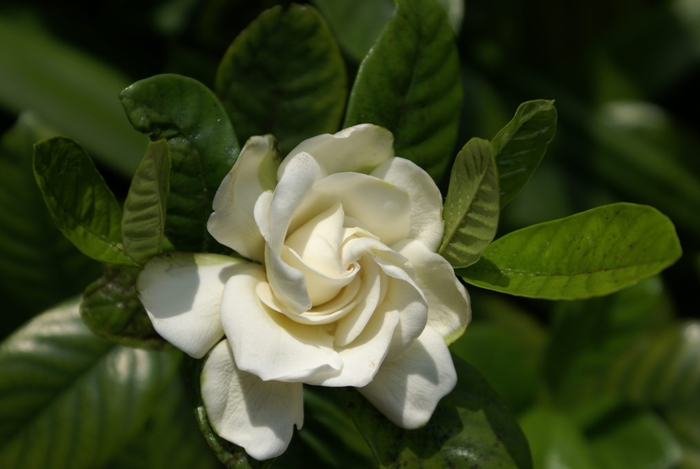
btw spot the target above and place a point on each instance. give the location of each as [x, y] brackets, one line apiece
[344, 288]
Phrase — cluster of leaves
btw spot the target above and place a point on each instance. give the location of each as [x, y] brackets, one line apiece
[584, 390]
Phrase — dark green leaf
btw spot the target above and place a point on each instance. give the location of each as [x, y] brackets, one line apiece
[284, 75]
[232, 456]
[410, 83]
[471, 426]
[506, 346]
[471, 208]
[38, 266]
[592, 253]
[170, 438]
[69, 90]
[555, 441]
[143, 222]
[81, 204]
[356, 23]
[203, 149]
[111, 309]
[70, 400]
[640, 440]
[521, 144]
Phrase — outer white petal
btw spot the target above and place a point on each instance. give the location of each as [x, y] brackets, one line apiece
[267, 343]
[407, 390]
[449, 309]
[360, 149]
[232, 222]
[425, 198]
[254, 414]
[182, 295]
[404, 296]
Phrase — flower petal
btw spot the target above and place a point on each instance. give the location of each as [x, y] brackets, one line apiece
[267, 343]
[425, 199]
[360, 149]
[232, 223]
[407, 390]
[254, 414]
[449, 309]
[408, 300]
[182, 294]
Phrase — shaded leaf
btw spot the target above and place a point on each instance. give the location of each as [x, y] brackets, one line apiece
[38, 266]
[69, 90]
[592, 253]
[410, 83]
[471, 208]
[202, 145]
[143, 222]
[69, 399]
[520, 146]
[471, 426]
[112, 310]
[284, 75]
[555, 441]
[81, 204]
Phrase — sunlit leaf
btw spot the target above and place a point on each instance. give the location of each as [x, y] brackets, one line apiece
[284, 75]
[70, 400]
[471, 426]
[143, 222]
[202, 145]
[592, 253]
[471, 208]
[520, 146]
[410, 83]
[81, 204]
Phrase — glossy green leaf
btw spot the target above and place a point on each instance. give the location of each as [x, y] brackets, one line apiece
[81, 204]
[170, 438]
[231, 456]
[38, 266]
[202, 145]
[472, 426]
[70, 400]
[505, 345]
[592, 253]
[356, 23]
[640, 440]
[143, 222]
[410, 83]
[455, 13]
[112, 310]
[284, 75]
[555, 441]
[72, 92]
[521, 144]
[471, 208]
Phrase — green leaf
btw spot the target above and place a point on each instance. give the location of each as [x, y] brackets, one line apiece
[592, 253]
[284, 75]
[143, 222]
[471, 208]
[471, 426]
[410, 83]
[112, 310]
[170, 438]
[505, 345]
[70, 400]
[640, 440]
[521, 144]
[38, 266]
[81, 204]
[202, 145]
[231, 456]
[69, 90]
[356, 23]
[684, 421]
[555, 441]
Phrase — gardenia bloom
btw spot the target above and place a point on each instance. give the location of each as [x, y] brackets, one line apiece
[343, 288]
